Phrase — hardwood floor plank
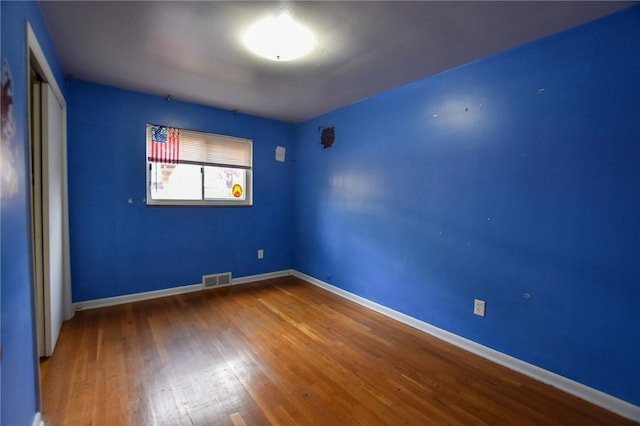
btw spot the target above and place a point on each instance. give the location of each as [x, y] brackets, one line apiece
[281, 352]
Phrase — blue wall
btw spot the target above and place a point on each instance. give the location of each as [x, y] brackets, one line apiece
[19, 362]
[119, 248]
[514, 179]
[471, 184]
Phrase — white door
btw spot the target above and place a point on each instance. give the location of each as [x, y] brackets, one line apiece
[53, 197]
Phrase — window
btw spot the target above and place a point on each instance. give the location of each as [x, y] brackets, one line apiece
[185, 167]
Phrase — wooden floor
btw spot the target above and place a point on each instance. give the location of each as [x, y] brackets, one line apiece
[281, 352]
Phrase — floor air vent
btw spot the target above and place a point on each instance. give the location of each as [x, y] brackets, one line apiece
[216, 280]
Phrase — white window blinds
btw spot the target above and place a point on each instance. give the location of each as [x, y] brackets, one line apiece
[214, 150]
[192, 147]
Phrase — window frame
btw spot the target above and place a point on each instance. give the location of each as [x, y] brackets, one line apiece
[248, 190]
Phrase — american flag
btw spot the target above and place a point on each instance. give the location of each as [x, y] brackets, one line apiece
[165, 144]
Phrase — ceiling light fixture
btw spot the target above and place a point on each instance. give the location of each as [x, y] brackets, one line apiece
[279, 38]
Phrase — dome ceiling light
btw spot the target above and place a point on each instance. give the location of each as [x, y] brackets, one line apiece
[279, 38]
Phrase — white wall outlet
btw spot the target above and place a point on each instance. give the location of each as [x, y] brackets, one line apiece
[478, 307]
[260, 254]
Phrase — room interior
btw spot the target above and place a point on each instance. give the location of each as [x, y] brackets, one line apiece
[482, 151]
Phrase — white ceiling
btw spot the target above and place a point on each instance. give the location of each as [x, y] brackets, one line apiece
[192, 50]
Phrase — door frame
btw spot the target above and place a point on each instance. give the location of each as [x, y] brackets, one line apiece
[37, 61]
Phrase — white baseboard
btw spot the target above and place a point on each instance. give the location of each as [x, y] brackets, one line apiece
[37, 420]
[608, 402]
[260, 277]
[136, 297]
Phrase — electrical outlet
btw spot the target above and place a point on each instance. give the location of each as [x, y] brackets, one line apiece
[260, 254]
[478, 307]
